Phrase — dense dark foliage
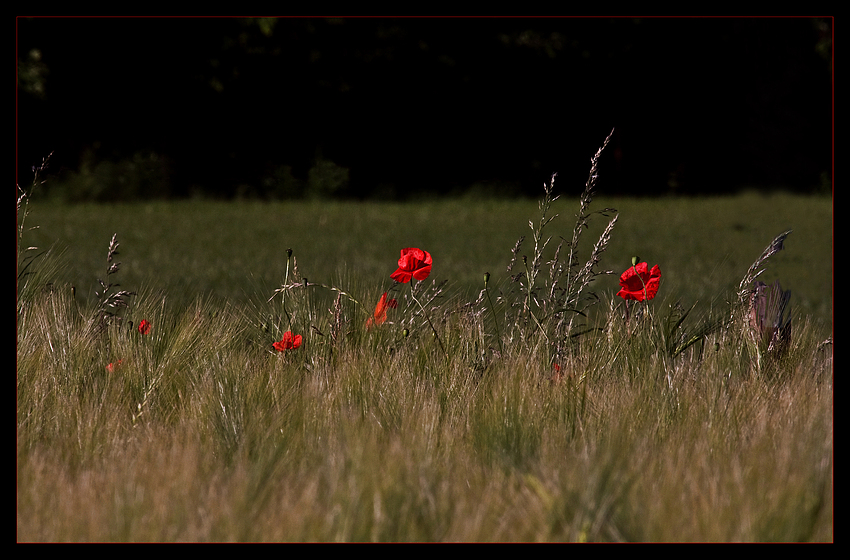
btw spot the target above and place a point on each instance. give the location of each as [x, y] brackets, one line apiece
[385, 107]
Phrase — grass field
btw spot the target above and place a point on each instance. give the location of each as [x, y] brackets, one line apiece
[446, 423]
[237, 251]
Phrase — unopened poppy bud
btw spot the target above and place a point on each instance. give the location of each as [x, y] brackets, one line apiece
[405, 332]
[635, 261]
[289, 253]
[486, 278]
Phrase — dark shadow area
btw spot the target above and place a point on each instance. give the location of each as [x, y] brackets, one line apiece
[389, 109]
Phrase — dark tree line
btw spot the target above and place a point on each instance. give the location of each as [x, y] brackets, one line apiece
[394, 107]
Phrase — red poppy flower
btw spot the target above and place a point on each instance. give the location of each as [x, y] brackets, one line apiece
[111, 367]
[145, 326]
[637, 282]
[380, 315]
[414, 263]
[557, 376]
[288, 342]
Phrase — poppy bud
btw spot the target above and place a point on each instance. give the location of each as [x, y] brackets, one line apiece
[635, 261]
[486, 278]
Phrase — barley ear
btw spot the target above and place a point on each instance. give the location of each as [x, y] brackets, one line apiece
[745, 287]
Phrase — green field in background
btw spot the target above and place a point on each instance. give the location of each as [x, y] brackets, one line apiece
[236, 251]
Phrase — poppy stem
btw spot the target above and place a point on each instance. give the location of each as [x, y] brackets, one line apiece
[645, 295]
[283, 294]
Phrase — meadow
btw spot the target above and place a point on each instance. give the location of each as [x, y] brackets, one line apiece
[236, 251]
[462, 413]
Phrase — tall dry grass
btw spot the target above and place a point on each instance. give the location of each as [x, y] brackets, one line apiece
[392, 443]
